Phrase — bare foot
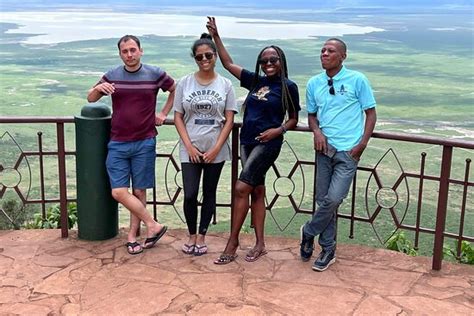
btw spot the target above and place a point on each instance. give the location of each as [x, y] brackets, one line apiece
[151, 232]
[151, 241]
[255, 253]
[231, 248]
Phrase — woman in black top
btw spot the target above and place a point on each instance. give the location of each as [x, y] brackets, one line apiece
[272, 98]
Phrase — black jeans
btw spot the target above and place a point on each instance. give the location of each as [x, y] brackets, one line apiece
[191, 178]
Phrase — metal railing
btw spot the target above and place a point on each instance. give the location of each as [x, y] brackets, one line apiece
[386, 195]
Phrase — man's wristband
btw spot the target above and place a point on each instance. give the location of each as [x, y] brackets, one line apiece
[283, 128]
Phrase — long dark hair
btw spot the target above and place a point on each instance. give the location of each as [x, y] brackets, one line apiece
[286, 100]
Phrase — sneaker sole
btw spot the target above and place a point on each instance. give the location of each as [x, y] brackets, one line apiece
[315, 268]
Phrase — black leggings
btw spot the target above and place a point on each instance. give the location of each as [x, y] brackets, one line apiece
[191, 178]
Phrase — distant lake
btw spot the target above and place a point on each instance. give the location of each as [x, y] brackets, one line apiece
[418, 59]
[68, 26]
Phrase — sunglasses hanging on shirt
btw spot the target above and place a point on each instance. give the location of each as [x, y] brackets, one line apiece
[331, 87]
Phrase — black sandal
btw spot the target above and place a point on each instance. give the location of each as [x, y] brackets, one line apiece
[150, 242]
[131, 245]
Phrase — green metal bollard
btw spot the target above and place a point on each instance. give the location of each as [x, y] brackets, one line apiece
[97, 211]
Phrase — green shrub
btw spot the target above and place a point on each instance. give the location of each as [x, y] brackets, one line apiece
[399, 242]
[53, 217]
[11, 214]
[466, 255]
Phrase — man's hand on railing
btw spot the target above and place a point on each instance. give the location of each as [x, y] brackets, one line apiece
[160, 118]
[320, 142]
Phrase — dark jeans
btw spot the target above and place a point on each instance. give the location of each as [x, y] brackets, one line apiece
[191, 173]
[333, 181]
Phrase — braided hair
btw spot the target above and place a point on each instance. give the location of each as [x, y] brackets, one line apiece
[286, 100]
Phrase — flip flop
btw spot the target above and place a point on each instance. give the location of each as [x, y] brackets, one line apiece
[188, 249]
[132, 245]
[225, 259]
[200, 250]
[254, 255]
[150, 242]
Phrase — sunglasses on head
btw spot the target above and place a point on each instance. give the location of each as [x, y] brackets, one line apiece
[273, 60]
[200, 57]
[331, 87]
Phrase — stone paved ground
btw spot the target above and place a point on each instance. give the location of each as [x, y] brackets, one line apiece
[42, 274]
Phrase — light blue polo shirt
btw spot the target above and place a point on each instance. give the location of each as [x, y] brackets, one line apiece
[341, 116]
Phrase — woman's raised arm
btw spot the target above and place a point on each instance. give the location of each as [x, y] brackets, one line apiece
[224, 56]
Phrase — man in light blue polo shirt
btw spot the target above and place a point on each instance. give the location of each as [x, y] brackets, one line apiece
[336, 100]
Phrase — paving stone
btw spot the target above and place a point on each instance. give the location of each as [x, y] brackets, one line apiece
[76, 253]
[54, 303]
[281, 255]
[5, 264]
[26, 273]
[70, 280]
[59, 247]
[470, 293]
[296, 271]
[445, 282]
[24, 309]
[387, 258]
[73, 298]
[363, 253]
[102, 246]
[277, 244]
[158, 254]
[105, 255]
[34, 236]
[141, 272]
[14, 282]
[20, 252]
[289, 299]
[263, 268]
[454, 269]
[437, 293]
[10, 294]
[70, 309]
[222, 309]
[377, 305]
[190, 264]
[182, 303]
[428, 306]
[42, 273]
[133, 297]
[183, 264]
[86, 271]
[213, 287]
[378, 280]
[99, 286]
[465, 300]
[47, 260]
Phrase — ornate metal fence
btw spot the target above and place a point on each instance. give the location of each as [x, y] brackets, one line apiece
[401, 180]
